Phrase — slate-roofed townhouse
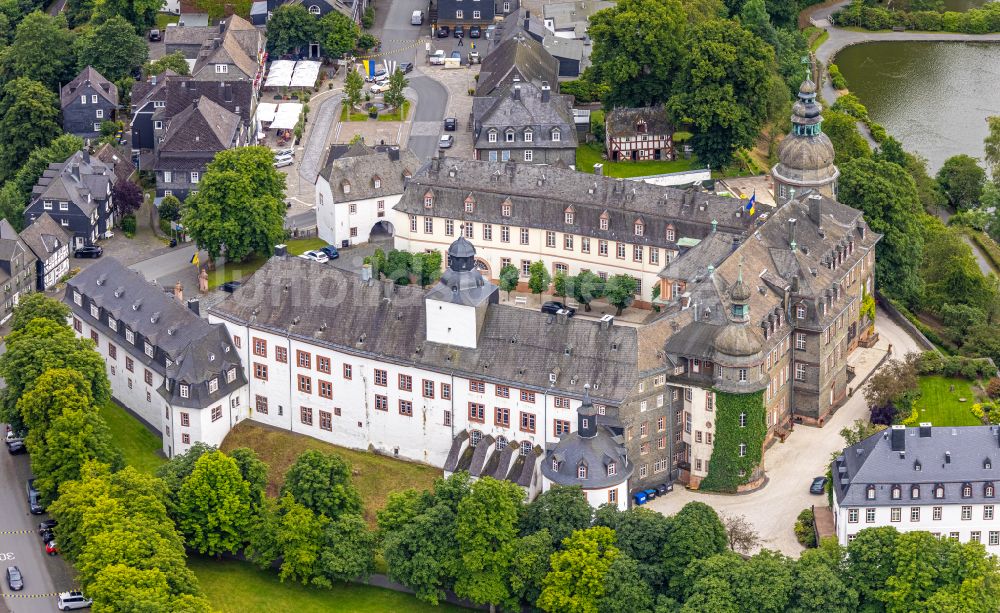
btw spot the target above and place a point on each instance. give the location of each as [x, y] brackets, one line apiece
[17, 269]
[234, 50]
[190, 140]
[87, 101]
[147, 97]
[571, 53]
[524, 122]
[77, 194]
[465, 12]
[50, 244]
[176, 371]
[519, 57]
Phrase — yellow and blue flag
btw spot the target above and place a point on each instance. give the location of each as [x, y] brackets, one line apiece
[194, 259]
[751, 204]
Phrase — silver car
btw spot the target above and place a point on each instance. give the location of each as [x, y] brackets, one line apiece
[446, 141]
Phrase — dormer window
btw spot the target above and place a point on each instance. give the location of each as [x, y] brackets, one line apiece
[988, 491]
[939, 491]
[428, 200]
[112, 323]
[556, 135]
[509, 136]
[129, 336]
[149, 349]
[671, 233]
[612, 469]
[313, 9]
[640, 127]
[95, 312]
[581, 471]
[915, 492]
[555, 464]
[376, 182]
[505, 209]
[78, 298]
[584, 423]
[345, 186]
[638, 228]
[870, 493]
[230, 375]
[604, 221]
[491, 136]
[213, 385]
[470, 204]
[569, 217]
[800, 311]
[185, 390]
[529, 136]
[896, 492]
[966, 491]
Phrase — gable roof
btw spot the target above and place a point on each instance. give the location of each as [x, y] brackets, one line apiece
[121, 164]
[359, 164]
[202, 127]
[519, 56]
[502, 110]
[238, 47]
[11, 244]
[623, 121]
[181, 92]
[88, 76]
[82, 179]
[151, 89]
[44, 236]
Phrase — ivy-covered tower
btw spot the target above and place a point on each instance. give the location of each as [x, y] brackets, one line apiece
[740, 380]
[805, 156]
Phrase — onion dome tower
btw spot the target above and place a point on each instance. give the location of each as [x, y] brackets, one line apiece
[805, 156]
[739, 347]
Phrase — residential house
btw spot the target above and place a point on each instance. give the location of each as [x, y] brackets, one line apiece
[190, 140]
[77, 194]
[572, 54]
[50, 245]
[638, 134]
[147, 97]
[234, 50]
[123, 167]
[445, 376]
[519, 57]
[86, 101]
[938, 480]
[17, 269]
[524, 122]
[180, 374]
[464, 12]
[357, 187]
[571, 19]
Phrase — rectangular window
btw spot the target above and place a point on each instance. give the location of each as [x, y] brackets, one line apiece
[524, 236]
[381, 402]
[446, 391]
[914, 513]
[406, 408]
[568, 242]
[550, 239]
[260, 403]
[869, 516]
[975, 536]
[129, 364]
[525, 268]
[303, 359]
[186, 439]
[994, 537]
[852, 516]
[966, 512]
[112, 351]
[381, 377]
[527, 422]
[185, 419]
[620, 250]
[988, 512]
[477, 386]
[503, 391]
[260, 347]
[449, 227]
[477, 412]
[305, 384]
[800, 341]
[428, 225]
[528, 155]
[428, 388]
[501, 417]
[446, 420]
[560, 427]
[148, 377]
[281, 354]
[504, 234]
[406, 383]
[323, 364]
[637, 253]
[325, 421]
[306, 415]
[185, 390]
[347, 371]
[260, 371]
[936, 514]
[527, 396]
[800, 372]
[216, 413]
[325, 389]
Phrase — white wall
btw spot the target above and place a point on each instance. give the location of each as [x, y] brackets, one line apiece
[951, 520]
[451, 324]
[334, 219]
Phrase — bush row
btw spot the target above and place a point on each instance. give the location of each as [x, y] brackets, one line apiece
[983, 20]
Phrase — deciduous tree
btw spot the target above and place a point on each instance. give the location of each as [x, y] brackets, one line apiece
[348, 550]
[818, 586]
[559, 510]
[576, 582]
[870, 562]
[891, 383]
[73, 438]
[538, 278]
[39, 31]
[843, 132]
[239, 204]
[992, 146]
[290, 28]
[509, 277]
[213, 505]
[962, 179]
[172, 61]
[339, 34]
[30, 119]
[322, 482]
[625, 589]
[531, 564]
[642, 535]
[127, 197]
[353, 84]
[112, 48]
[587, 287]
[38, 306]
[620, 291]
[140, 14]
[741, 534]
[254, 472]
[393, 96]
[695, 533]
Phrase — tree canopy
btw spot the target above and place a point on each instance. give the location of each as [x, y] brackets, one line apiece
[112, 48]
[962, 179]
[322, 482]
[290, 28]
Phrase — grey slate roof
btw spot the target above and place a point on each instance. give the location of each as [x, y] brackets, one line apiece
[519, 56]
[44, 236]
[189, 35]
[711, 251]
[122, 165]
[359, 165]
[622, 121]
[975, 460]
[11, 244]
[237, 47]
[198, 350]
[182, 92]
[102, 86]
[502, 110]
[202, 127]
[73, 180]
[332, 308]
[520, 20]
[153, 88]
[574, 15]
[540, 195]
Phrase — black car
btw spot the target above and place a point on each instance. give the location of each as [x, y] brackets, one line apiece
[450, 124]
[34, 499]
[16, 447]
[154, 35]
[459, 31]
[48, 524]
[330, 251]
[406, 67]
[231, 286]
[14, 578]
[553, 306]
[443, 31]
[89, 251]
[818, 486]
[475, 32]
[47, 536]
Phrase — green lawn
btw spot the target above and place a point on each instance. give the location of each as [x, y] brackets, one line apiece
[162, 19]
[396, 116]
[141, 448]
[231, 272]
[589, 154]
[359, 116]
[940, 406]
[238, 587]
[374, 475]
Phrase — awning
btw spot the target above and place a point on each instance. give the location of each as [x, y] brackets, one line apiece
[279, 74]
[266, 112]
[287, 116]
[305, 74]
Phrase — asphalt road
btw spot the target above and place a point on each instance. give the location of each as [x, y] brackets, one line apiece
[20, 545]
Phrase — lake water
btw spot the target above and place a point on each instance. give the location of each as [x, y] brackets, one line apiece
[932, 96]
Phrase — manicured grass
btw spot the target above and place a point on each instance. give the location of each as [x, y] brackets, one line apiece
[940, 406]
[238, 587]
[344, 116]
[162, 19]
[589, 154]
[141, 448]
[397, 116]
[374, 475]
[237, 271]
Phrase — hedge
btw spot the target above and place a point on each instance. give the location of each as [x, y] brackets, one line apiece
[984, 20]
[837, 79]
[726, 463]
[933, 363]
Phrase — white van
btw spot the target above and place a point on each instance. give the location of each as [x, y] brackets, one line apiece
[417, 19]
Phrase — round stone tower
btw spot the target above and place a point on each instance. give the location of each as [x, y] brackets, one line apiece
[739, 346]
[805, 156]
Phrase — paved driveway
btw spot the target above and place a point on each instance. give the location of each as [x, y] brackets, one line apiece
[791, 467]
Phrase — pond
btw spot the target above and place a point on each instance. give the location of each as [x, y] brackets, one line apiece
[932, 96]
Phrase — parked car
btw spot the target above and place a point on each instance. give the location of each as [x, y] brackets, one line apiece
[331, 252]
[154, 35]
[443, 31]
[89, 251]
[818, 486]
[417, 18]
[554, 306]
[287, 152]
[379, 88]
[456, 55]
[47, 524]
[73, 600]
[315, 256]
[475, 32]
[14, 579]
[406, 67]
[475, 58]
[16, 447]
[446, 141]
[231, 286]
[459, 31]
[380, 74]
[281, 162]
[34, 499]
[437, 58]
[450, 124]
[51, 548]
[47, 536]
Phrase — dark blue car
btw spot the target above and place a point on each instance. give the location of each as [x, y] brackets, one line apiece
[331, 252]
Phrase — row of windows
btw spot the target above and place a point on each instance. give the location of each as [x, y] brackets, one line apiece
[528, 135]
[895, 514]
[325, 388]
[168, 176]
[896, 491]
[501, 417]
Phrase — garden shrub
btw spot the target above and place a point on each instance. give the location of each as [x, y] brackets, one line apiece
[805, 530]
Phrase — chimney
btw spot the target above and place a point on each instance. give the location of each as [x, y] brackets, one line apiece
[152, 79]
[607, 321]
[366, 273]
[546, 91]
[925, 429]
[75, 171]
[562, 316]
[715, 225]
[435, 166]
[791, 233]
[898, 438]
[816, 209]
[947, 457]
[599, 169]
[179, 292]
[86, 156]
[195, 306]
[281, 251]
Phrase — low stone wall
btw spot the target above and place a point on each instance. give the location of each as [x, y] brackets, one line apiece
[905, 324]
